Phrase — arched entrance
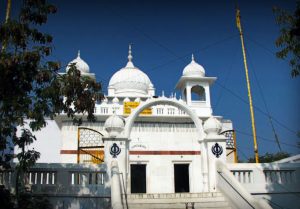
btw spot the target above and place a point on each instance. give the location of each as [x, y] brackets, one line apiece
[198, 123]
[163, 101]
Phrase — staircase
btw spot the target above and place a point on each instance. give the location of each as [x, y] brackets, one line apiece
[207, 200]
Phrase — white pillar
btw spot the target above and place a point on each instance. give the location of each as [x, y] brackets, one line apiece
[204, 167]
[116, 152]
[120, 146]
[116, 194]
[207, 96]
[215, 150]
[188, 95]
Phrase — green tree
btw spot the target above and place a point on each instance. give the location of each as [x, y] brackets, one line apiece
[270, 157]
[289, 39]
[31, 89]
[24, 201]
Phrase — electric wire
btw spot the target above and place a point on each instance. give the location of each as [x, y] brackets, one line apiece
[260, 45]
[226, 78]
[272, 53]
[223, 86]
[175, 54]
[264, 101]
[152, 69]
[242, 152]
[255, 107]
[181, 59]
[146, 35]
[265, 138]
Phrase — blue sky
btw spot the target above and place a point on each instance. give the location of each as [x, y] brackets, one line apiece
[164, 34]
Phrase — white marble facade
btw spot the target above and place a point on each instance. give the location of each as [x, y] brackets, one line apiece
[173, 137]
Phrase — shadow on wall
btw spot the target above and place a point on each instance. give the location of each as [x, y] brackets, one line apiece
[76, 186]
[276, 183]
[282, 185]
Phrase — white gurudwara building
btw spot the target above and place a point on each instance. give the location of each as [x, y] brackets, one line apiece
[148, 151]
[161, 140]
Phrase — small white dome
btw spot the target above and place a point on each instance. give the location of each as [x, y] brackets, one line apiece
[212, 126]
[137, 99]
[193, 69]
[180, 100]
[126, 99]
[115, 100]
[130, 80]
[104, 101]
[114, 125]
[80, 64]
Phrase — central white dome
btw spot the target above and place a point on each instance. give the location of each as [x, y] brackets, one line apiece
[130, 80]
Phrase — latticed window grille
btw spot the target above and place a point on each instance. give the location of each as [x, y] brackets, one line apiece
[229, 134]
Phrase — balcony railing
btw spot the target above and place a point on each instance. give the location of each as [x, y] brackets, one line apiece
[62, 179]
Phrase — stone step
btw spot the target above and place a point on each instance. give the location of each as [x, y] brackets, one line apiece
[208, 200]
[176, 200]
[220, 205]
[174, 195]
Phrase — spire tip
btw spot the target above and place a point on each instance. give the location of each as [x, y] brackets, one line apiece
[129, 53]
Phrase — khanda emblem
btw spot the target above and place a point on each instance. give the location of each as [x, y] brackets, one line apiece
[115, 150]
[217, 150]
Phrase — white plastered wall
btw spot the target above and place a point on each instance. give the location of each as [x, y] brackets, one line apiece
[160, 168]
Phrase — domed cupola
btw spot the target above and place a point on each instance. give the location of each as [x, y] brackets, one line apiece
[80, 64]
[212, 126]
[114, 125]
[130, 82]
[193, 69]
[195, 88]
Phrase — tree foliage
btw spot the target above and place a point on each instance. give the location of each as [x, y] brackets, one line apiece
[31, 88]
[289, 39]
[25, 201]
[270, 157]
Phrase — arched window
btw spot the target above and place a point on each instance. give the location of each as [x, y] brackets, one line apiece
[198, 93]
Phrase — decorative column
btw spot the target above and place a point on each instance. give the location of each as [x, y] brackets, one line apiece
[116, 152]
[215, 148]
[188, 94]
[204, 166]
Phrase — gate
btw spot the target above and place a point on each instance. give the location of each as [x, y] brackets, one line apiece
[231, 143]
[90, 146]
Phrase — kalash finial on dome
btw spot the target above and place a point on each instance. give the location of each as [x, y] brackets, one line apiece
[193, 59]
[129, 53]
[78, 54]
[129, 63]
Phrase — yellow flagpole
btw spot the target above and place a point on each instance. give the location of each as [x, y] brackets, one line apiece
[7, 10]
[7, 16]
[239, 26]
[78, 141]
[235, 149]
